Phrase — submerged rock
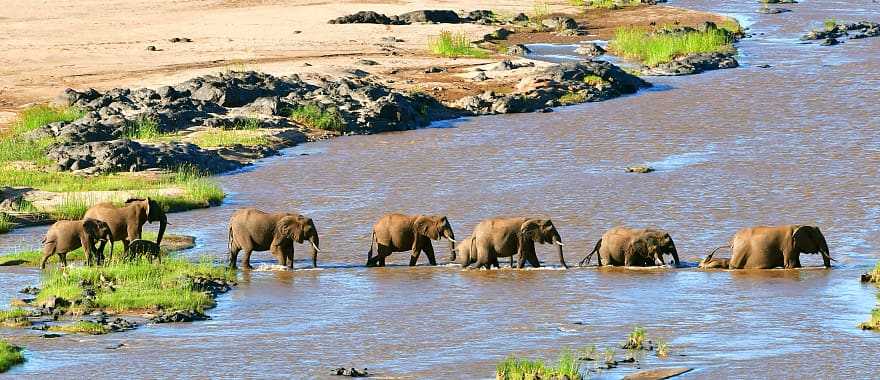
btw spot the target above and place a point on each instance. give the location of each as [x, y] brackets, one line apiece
[772, 11]
[639, 169]
[853, 31]
[590, 50]
[694, 63]
[350, 372]
[657, 374]
[179, 316]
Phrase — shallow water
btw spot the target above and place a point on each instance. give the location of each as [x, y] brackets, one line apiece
[795, 143]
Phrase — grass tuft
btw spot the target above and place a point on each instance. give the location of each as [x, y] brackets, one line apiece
[14, 147]
[136, 286]
[313, 116]
[874, 322]
[662, 349]
[830, 24]
[540, 10]
[513, 368]
[573, 97]
[452, 45]
[5, 223]
[653, 49]
[612, 4]
[594, 80]
[144, 128]
[10, 355]
[636, 339]
[224, 137]
[81, 327]
[17, 317]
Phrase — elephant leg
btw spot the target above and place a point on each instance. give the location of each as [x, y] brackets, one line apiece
[233, 256]
[522, 261]
[511, 261]
[289, 254]
[429, 251]
[533, 260]
[48, 251]
[246, 261]
[414, 258]
[494, 262]
[63, 257]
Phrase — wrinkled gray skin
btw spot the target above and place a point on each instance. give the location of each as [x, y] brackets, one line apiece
[68, 235]
[633, 247]
[765, 247]
[505, 237]
[140, 247]
[127, 222]
[254, 230]
[399, 233]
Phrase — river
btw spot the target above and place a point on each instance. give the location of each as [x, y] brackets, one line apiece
[794, 143]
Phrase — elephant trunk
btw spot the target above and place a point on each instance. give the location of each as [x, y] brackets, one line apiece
[451, 237]
[315, 244]
[674, 253]
[826, 256]
[163, 222]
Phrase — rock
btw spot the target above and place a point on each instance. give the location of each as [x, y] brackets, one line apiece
[560, 23]
[693, 63]
[115, 346]
[590, 50]
[507, 65]
[342, 371]
[639, 169]
[236, 89]
[498, 34]
[778, 1]
[178, 316]
[435, 16]
[266, 106]
[434, 70]
[119, 324]
[481, 76]
[830, 42]
[366, 62]
[857, 30]
[481, 16]
[151, 48]
[50, 335]
[518, 49]
[362, 17]
[391, 39]
[53, 302]
[772, 11]
[179, 39]
[127, 155]
[520, 18]
[764, 66]
[657, 374]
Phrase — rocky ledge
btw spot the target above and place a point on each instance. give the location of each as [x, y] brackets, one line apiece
[853, 31]
[694, 63]
[106, 139]
[484, 17]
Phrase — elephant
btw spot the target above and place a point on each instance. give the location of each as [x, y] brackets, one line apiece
[67, 235]
[505, 237]
[399, 233]
[140, 247]
[765, 247]
[633, 247]
[714, 263]
[127, 222]
[254, 230]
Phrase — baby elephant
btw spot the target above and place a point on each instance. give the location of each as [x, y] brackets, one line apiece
[140, 247]
[67, 235]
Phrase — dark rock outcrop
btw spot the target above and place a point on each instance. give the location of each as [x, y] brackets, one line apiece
[590, 50]
[435, 16]
[126, 155]
[853, 31]
[694, 63]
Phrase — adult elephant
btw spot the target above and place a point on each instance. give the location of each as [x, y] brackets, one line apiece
[633, 247]
[254, 230]
[766, 247]
[127, 221]
[505, 237]
[399, 233]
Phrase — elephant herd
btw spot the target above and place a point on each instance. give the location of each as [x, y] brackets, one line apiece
[252, 230]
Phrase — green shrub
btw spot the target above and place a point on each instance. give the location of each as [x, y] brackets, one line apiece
[653, 48]
[636, 339]
[10, 355]
[453, 45]
[5, 223]
[513, 368]
[313, 116]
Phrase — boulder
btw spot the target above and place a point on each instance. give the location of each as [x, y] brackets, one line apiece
[694, 63]
[591, 50]
[560, 23]
[434, 16]
[518, 49]
[362, 17]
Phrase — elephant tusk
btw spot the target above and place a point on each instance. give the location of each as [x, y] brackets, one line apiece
[315, 247]
[559, 243]
[452, 240]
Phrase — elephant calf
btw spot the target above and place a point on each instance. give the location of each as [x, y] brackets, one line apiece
[67, 235]
[714, 263]
[400, 233]
[633, 247]
[254, 230]
[505, 237]
[766, 247]
[139, 248]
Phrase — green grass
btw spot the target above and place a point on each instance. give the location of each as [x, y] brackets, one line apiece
[830, 24]
[144, 128]
[573, 97]
[662, 349]
[136, 286]
[636, 339]
[594, 80]
[874, 322]
[10, 355]
[14, 147]
[313, 116]
[222, 137]
[451, 45]
[540, 10]
[5, 223]
[14, 318]
[609, 355]
[32, 258]
[513, 368]
[653, 49]
[612, 4]
[72, 207]
[81, 327]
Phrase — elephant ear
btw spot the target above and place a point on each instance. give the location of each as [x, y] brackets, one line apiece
[422, 226]
[291, 227]
[530, 228]
[90, 226]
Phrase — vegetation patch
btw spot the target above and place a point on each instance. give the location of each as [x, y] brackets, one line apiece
[874, 322]
[612, 4]
[144, 128]
[573, 97]
[5, 223]
[594, 80]
[81, 327]
[513, 368]
[452, 45]
[314, 116]
[16, 317]
[10, 355]
[222, 137]
[15, 147]
[653, 48]
[132, 287]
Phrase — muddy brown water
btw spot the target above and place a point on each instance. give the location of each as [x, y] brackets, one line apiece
[795, 143]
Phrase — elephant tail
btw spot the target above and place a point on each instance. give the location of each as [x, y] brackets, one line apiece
[370, 252]
[589, 256]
